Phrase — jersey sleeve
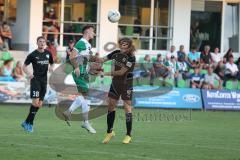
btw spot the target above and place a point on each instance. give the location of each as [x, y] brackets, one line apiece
[28, 59]
[167, 64]
[110, 55]
[80, 46]
[50, 59]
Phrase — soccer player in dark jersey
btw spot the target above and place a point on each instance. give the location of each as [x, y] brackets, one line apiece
[40, 59]
[122, 86]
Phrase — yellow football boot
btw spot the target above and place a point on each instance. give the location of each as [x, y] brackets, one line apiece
[127, 139]
[108, 137]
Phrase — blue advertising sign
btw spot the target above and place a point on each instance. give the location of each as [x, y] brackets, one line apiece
[221, 99]
[179, 98]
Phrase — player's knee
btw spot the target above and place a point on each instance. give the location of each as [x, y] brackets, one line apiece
[85, 106]
[40, 103]
[111, 106]
[128, 109]
[36, 104]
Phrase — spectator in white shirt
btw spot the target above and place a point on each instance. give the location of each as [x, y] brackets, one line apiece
[172, 53]
[216, 57]
[231, 70]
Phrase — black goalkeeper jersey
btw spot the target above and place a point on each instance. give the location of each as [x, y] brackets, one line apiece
[40, 62]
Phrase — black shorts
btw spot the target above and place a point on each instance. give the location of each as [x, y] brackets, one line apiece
[38, 88]
[123, 90]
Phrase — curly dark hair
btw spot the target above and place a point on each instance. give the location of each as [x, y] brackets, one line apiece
[131, 47]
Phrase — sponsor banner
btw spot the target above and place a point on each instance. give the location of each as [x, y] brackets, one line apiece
[221, 99]
[179, 98]
[19, 93]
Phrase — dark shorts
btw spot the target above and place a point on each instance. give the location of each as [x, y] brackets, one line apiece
[198, 82]
[38, 88]
[119, 89]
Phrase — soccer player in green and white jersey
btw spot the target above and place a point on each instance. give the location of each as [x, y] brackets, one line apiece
[79, 58]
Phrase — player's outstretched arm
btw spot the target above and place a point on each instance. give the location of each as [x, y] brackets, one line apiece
[104, 59]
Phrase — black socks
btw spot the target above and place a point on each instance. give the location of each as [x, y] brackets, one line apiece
[32, 112]
[129, 123]
[110, 121]
[111, 118]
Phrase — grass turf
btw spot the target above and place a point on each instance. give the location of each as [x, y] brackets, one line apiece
[169, 135]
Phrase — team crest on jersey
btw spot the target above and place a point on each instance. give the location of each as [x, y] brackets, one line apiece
[129, 64]
[129, 92]
[47, 56]
[124, 59]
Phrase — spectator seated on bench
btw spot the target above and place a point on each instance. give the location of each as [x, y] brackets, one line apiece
[7, 71]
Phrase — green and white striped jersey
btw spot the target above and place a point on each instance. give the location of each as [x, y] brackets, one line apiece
[83, 47]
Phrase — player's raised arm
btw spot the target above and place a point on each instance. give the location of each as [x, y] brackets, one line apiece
[104, 59]
[108, 57]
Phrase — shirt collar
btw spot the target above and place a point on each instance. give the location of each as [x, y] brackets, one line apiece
[84, 40]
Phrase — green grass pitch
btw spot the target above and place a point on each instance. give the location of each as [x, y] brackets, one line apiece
[170, 135]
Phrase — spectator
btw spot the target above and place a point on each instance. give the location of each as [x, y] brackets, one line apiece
[238, 63]
[6, 34]
[195, 29]
[196, 79]
[181, 54]
[7, 71]
[173, 67]
[194, 34]
[18, 72]
[216, 57]
[183, 69]
[78, 28]
[70, 29]
[220, 70]
[137, 29]
[147, 69]
[209, 79]
[52, 49]
[50, 25]
[172, 53]
[227, 55]
[231, 71]
[2, 45]
[160, 69]
[69, 49]
[205, 57]
[194, 58]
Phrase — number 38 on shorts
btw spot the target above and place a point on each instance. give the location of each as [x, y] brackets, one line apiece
[38, 89]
